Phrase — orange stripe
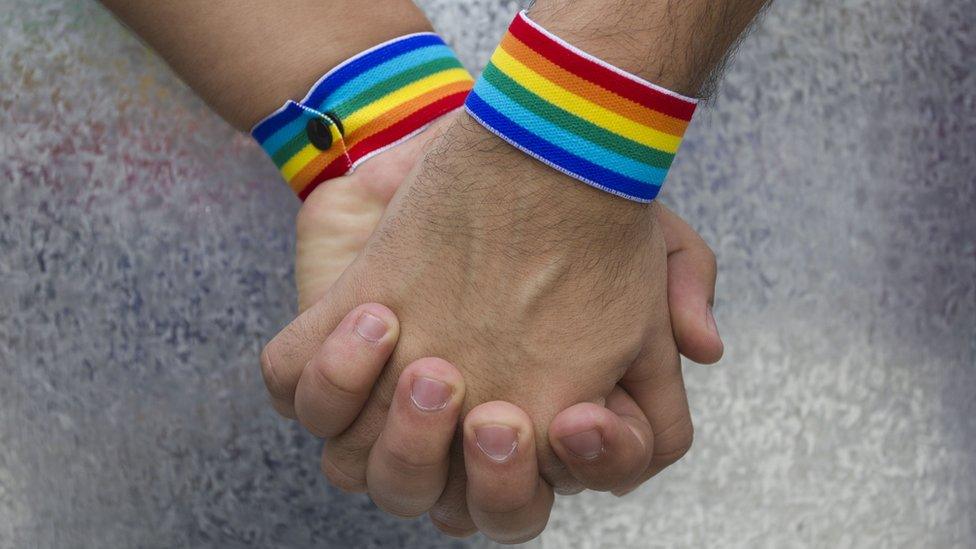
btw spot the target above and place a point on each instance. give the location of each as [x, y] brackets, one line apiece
[316, 165]
[404, 110]
[592, 92]
[390, 117]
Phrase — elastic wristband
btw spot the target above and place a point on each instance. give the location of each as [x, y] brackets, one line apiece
[362, 107]
[578, 114]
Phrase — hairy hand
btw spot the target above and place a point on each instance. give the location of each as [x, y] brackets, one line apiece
[544, 293]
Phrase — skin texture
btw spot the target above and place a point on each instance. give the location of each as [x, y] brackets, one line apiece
[222, 51]
[490, 297]
[246, 57]
[487, 258]
[507, 269]
[681, 45]
[345, 465]
[527, 256]
[333, 226]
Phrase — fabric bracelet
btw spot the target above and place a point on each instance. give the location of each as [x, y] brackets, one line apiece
[578, 114]
[362, 107]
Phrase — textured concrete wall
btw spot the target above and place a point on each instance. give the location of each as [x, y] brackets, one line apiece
[146, 252]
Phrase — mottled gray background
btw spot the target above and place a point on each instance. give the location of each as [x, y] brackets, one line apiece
[146, 253]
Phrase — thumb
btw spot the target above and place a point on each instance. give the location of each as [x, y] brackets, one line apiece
[284, 358]
[691, 289]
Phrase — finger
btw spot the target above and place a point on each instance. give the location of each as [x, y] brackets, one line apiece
[507, 499]
[450, 514]
[284, 357]
[656, 385]
[691, 290]
[345, 457]
[338, 379]
[604, 448]
[332, 228]
[408, 465]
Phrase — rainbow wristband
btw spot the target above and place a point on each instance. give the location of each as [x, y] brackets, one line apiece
[578, 114]
[362, 107]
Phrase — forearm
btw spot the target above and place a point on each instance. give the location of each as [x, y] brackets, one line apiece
[678, 44]
[246, 57]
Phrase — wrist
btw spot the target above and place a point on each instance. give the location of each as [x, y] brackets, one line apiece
[316, 44]
[245, 62]
[266, 55]
[479, 184]
[674, 47]
[370, 102]
[625, 33]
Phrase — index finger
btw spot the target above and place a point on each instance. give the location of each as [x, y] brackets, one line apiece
[284, 357]
[336, 382]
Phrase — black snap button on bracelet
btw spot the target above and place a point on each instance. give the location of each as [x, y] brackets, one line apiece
[335, 119]
[319, 134]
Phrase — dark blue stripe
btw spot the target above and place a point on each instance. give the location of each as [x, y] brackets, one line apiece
[557, 155]
[268, 127]
[349, 71]
[362, 64]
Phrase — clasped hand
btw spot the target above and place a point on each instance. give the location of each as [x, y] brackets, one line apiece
[555, 312]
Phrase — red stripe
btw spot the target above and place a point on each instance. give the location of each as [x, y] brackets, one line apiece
[411, 123]
[598, 74]
[406, 125]
[336, 168]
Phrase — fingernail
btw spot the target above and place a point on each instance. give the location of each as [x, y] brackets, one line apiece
[370, 328]
[586, 445]
[498, 442]
[429, 394]
[710, 321]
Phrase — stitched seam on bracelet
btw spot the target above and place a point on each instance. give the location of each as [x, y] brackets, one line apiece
[381, 97]
[578, 114]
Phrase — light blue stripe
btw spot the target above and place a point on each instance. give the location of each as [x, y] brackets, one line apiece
[568, 141]
[286, 133]
[560, 159]
[383, 71]
[356, 85]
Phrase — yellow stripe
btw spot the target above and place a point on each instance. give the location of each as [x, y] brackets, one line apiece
[309, 152]
[372, 111]
[297, 162]
[553, 93]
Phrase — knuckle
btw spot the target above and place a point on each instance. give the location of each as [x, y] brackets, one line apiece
[519, 537]
[304, 334]
[454, 530]
[562, 480]
[499, 505]
[313, 427]
[515, 526]
[316, 421]
[604, 477]
[708, 255]
[411, 461]
[277, 388]
[674, 442]
[343, 480]
[327, 379]
[568, 487]
[351, 449]
[403, 503]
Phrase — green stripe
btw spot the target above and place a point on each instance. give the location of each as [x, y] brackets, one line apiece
[394, 83]
[390, 85]
[290, 149]
[572, 123]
